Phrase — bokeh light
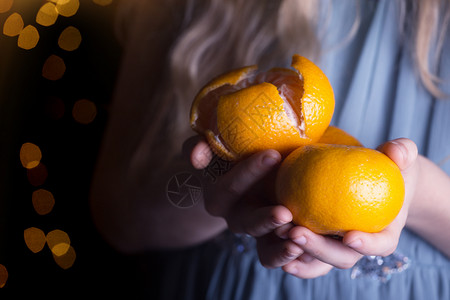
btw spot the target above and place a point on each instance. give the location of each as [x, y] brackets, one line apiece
[3, 276]
[34, 239]
[70, 39]
[103, 2]
[47, 14]
[66, 260]
[13, 25]
[28, 38]
[54, 68]
[58, 241]
[38, 175]
[43, 201]
[30, 155]
[5, 5]
[67, 8]
[84, 111]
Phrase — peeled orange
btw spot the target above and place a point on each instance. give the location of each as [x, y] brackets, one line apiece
[245, 111]
[333, 189]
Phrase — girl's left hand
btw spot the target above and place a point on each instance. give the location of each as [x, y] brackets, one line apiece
[321, 253]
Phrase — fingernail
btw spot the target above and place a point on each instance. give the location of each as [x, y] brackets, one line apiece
[355, 244]
[269, 161]
[300, 241]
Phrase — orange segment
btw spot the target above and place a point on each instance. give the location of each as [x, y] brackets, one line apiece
[259, 122]
[318, 97]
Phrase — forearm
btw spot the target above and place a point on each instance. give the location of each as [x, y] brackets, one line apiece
[429, 213]
[135, 217]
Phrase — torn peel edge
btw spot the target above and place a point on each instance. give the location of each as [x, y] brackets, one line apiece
[218, 87]
[216, 145]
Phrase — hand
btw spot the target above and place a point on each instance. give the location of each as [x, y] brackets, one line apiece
[241, 199]
[322, 253]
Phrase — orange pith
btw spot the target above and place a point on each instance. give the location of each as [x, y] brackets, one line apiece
[333, 189]
[243, 112]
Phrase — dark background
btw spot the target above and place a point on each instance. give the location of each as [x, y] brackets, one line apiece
[69, 152]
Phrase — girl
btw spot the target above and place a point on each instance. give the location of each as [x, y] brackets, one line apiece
[389, 66]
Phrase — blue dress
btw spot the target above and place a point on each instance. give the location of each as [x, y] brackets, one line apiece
[378, 97]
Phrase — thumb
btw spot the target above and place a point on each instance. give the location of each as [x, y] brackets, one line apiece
[402, 151]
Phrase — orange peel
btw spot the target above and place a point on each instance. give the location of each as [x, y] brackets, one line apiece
[242, 112]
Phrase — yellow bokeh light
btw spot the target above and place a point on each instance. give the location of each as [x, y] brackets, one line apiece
[13, 25]
[67, 8]
[70, 39]
[84, 111]
[34, 239]
[47, 14]
[3, 276]
[38, 175]
[43, 201]
[54, 68]
[58, 241]
[61, 2]
[5, 5]
[66, 260]
[28, 38]
[103, 2]
[30, 155]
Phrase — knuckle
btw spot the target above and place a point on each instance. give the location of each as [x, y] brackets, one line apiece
[288, 254]
[233, 190]
[253, 170]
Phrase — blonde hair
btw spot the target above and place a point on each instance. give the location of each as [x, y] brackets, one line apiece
[219, 35]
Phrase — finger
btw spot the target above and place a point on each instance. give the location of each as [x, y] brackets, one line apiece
[274, 252]
[306, 267]
[326, 249]
[283, 231]
[258, 222]
[382, 243]
[402, 151]
[197, 150]
[241, 178]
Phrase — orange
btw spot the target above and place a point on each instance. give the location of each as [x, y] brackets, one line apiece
[333, 189]
[243, 111]
[337, 136]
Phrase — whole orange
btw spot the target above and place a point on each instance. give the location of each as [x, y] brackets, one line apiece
[333, 189]
[243, 111]
[337, 136]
